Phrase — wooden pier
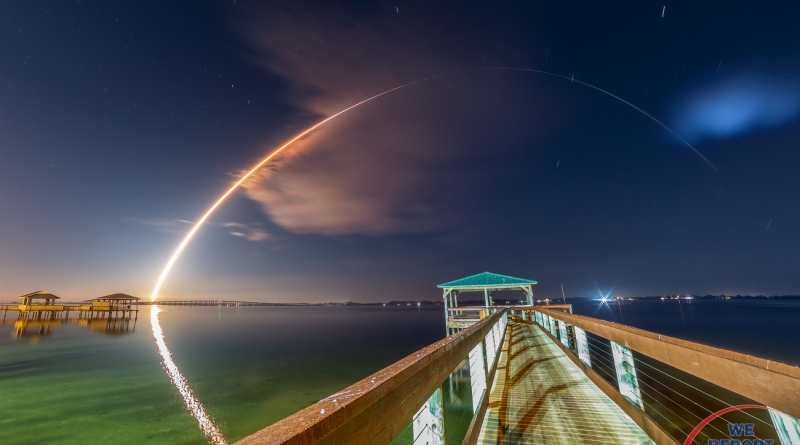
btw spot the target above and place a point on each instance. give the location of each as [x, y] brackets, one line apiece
[215, 303]
[539, 374]
[40, 311]
[110, 306]
[32, 306]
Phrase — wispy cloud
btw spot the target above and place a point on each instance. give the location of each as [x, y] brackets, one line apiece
[164, 225]
[250, 232]
[382, 169]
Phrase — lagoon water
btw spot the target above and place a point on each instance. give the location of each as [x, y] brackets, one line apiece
[252, 366]
[249, 366]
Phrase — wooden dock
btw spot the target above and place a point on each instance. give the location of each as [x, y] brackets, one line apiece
[539, 374]
[540, 397]
[39, 312]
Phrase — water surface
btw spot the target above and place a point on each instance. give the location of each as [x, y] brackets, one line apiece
[249, 366]
[252, 366]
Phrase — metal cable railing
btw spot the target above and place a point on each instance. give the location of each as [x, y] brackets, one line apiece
[728, 418]
[607, 364]
[673, 399]
[699, 390]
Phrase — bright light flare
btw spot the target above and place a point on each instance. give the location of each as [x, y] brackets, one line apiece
[213, 434]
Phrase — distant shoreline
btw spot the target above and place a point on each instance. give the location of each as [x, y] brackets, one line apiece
[419, 303]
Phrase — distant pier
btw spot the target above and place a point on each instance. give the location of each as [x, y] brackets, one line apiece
[41, 311]
[208, 303]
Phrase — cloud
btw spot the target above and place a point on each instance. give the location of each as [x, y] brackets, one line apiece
[249, 232]
[164, 225]
[332, 60]
[737, 105]
[391, 165]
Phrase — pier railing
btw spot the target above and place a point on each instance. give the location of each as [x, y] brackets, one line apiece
[437, 395]
[670, 386]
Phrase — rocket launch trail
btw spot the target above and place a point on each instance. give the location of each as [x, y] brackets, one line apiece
[286, 145]
[263, 162]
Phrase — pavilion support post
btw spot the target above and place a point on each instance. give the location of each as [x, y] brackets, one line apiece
[446, 314]
[486, 297]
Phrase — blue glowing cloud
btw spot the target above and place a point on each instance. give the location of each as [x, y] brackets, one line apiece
[737, 106]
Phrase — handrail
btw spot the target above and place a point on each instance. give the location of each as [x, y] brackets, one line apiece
[771, 383]
[377, 408]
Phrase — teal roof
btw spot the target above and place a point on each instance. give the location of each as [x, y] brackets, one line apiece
[487, 279]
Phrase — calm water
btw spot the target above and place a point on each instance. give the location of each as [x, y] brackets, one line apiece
[255, 365]
[250, 367]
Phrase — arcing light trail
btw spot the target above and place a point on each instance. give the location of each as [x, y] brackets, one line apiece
[236, 185]
[277, 151]
[192, 404]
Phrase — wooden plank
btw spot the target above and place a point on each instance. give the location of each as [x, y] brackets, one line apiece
[540, 397]
[645, 422]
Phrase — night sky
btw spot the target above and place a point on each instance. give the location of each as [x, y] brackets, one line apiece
[122, 122]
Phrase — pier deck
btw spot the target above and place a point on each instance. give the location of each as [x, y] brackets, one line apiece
[539, 396]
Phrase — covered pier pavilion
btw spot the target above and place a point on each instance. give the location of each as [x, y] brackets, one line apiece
[485, 282]
[32, 306]
[111, 306]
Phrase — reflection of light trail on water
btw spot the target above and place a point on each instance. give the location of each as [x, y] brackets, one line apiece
[194, 406]
[211, 431]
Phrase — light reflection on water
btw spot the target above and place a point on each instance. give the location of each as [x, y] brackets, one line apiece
[179, 382]
[35, 330]
[249, 367]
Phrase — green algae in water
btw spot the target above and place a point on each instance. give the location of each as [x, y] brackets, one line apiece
[249, 367]
[81, 388]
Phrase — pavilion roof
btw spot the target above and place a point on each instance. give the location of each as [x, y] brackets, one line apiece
[487, 280]
[118, 297]
[39, 294]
